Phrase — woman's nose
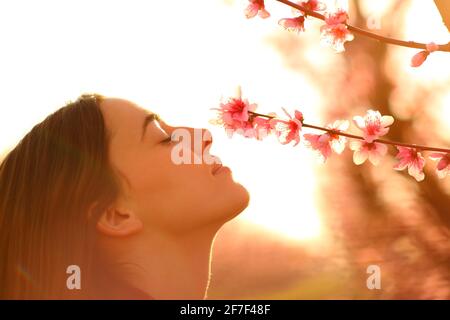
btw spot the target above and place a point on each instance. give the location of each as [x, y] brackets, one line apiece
[201, 138]
[207, 138]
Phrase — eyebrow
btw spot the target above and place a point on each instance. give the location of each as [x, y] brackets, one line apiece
[148, 118]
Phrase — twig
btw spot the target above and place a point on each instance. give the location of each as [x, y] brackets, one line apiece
[340, 133]
[409, 44]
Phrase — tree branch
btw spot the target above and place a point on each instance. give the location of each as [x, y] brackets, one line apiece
[444, 9]
[340, 133]
[409, 44]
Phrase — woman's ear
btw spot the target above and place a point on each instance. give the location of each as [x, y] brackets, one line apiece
[115, 222]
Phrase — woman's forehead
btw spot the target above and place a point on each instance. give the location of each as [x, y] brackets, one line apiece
[119, 112]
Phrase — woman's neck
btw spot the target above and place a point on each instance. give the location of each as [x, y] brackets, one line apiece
[170, 267]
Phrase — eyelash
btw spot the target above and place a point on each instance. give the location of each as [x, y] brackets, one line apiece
[167, 141]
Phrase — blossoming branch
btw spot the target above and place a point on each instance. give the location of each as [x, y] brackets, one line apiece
[336, 30]
[237, 115]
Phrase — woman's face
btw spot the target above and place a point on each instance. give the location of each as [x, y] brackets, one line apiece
[161, 193]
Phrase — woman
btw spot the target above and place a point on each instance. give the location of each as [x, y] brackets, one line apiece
[93, 206]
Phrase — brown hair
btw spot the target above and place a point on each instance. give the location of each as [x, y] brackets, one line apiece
[48, 184]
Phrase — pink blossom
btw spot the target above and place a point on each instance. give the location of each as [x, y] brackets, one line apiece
[373, 125]
[335, 32]
[256, 7]
[338, 17]
[288, 131]
[412, 159]
[319, 143]
[364, 150]
[313, 5]
[234, 114]
[325, 143]
[246, 129]
[293, 24]
[263, 126]
[335, 36]
[443, 165]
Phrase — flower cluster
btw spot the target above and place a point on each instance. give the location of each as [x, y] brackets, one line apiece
[256, 7]
[237, 115]
[297, 24]
[328, 142]
[234, 116]
[336, 31]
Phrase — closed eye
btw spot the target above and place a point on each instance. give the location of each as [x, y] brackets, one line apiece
[167, 140]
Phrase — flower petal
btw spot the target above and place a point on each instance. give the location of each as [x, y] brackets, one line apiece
[386, 121]
[355, 145]
[381, 148]
[263, 13]
[443, 173]
[251, 10]
[416, 173]
[359, 122]
[359, 157]
[338, 145]
[401, 165]
[375, 156]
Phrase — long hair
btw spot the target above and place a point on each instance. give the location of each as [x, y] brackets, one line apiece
[57, 174]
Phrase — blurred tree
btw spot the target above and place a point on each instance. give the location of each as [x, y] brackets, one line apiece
[444, 8]
[380, 216]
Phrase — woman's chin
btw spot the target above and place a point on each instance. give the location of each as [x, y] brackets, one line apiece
[245, 197]
[240, 200]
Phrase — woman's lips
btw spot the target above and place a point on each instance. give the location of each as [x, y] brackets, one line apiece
[219, 168]
[216, 168]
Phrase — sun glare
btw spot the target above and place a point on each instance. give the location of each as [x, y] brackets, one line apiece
[177, 62]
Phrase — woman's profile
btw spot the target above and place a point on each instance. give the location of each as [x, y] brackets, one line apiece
[93, 188]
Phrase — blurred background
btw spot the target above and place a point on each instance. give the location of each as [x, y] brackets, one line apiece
[311, 230]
